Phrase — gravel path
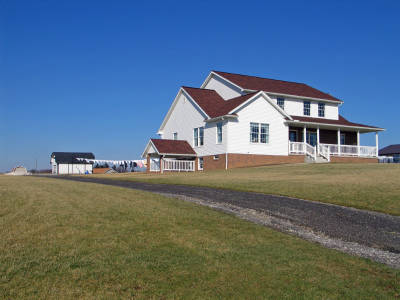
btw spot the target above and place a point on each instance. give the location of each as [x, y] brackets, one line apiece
[364, 233]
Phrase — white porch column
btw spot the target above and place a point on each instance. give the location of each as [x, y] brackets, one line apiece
[377, 143]
[305, 137]
[317, 138]
[358, 142]
[338, 141]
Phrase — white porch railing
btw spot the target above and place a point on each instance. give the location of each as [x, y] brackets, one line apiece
[347, 150]
[296, 148]
[326, 150]
[178, 165]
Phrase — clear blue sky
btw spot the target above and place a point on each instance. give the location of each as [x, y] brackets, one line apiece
[100, 76]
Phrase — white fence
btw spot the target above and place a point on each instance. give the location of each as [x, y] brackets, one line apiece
[178, 165]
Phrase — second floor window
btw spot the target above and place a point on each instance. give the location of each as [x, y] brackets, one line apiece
[198, 136]
[281, 102]
[175, 135]
[259, 133]
[306, 108]
[219, 133]
[321, 109]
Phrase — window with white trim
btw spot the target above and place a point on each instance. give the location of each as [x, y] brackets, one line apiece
[306, 108]
[321, 109]
[259, 133]
[281, 102]
[175, 135]
[219, 133]
[198, 136]
[201, 163]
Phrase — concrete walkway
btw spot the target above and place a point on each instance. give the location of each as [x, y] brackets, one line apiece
[350, 230]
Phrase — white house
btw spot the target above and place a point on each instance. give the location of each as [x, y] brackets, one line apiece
[236, 120]
[69, 163]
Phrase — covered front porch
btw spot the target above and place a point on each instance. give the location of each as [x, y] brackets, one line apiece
[325, 141]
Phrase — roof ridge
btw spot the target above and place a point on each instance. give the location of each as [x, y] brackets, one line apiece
[261, 77]
[191, 87]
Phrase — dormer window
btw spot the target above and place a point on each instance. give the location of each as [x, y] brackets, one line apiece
[307, 108]
[281, 102]
[321, 110]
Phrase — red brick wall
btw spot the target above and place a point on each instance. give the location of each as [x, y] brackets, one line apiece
[249, 160]
[336, 159]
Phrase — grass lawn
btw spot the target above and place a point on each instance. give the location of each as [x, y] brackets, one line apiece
[367, 186]
[62, 239]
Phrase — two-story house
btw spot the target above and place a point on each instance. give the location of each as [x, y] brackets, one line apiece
[236, 120]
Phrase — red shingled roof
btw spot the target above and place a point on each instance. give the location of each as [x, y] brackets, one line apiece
[341, 121]
[212, 103]
[173, 147]
[275, 86]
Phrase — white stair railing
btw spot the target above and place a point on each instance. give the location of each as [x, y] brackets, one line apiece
[311, 151]
[323, 150]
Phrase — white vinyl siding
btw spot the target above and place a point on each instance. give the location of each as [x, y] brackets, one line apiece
[223, 88]
[262, 112]
[184, 117]
[294, 107]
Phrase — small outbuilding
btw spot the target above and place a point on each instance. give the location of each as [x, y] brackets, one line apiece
[71, 163]
[391, 151]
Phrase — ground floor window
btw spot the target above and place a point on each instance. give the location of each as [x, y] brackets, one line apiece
[259, 133]
[201, 163]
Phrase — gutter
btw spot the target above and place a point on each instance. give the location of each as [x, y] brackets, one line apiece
[221, 118]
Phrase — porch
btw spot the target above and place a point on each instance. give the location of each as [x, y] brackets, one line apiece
[316, 141]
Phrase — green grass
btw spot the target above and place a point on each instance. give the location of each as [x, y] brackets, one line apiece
[366, 186]
[62, 239]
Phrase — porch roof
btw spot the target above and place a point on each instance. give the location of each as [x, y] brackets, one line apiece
[340, 123]
[170, 147]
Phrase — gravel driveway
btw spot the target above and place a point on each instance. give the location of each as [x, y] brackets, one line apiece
[364, 233]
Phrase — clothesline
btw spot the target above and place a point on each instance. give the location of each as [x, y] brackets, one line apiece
[115, 162]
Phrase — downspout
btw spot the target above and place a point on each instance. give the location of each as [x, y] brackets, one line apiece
[226, 148]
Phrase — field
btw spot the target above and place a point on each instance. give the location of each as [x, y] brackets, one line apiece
[62, 239]
[366, 186]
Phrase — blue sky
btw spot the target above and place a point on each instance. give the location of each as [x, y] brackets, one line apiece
[100, 76]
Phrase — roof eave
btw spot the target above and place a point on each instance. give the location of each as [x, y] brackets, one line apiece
[335, 125]
[224, 117]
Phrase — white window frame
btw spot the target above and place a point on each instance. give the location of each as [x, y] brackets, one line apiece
[175, 136]
[282, 104]
[305, 108]
[200, 164]
[259, 127]
[219, 137]
[198, 136]
[321, 109]
[195, 137]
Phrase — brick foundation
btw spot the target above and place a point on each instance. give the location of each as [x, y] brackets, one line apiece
[353, 160]
[249, 160]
